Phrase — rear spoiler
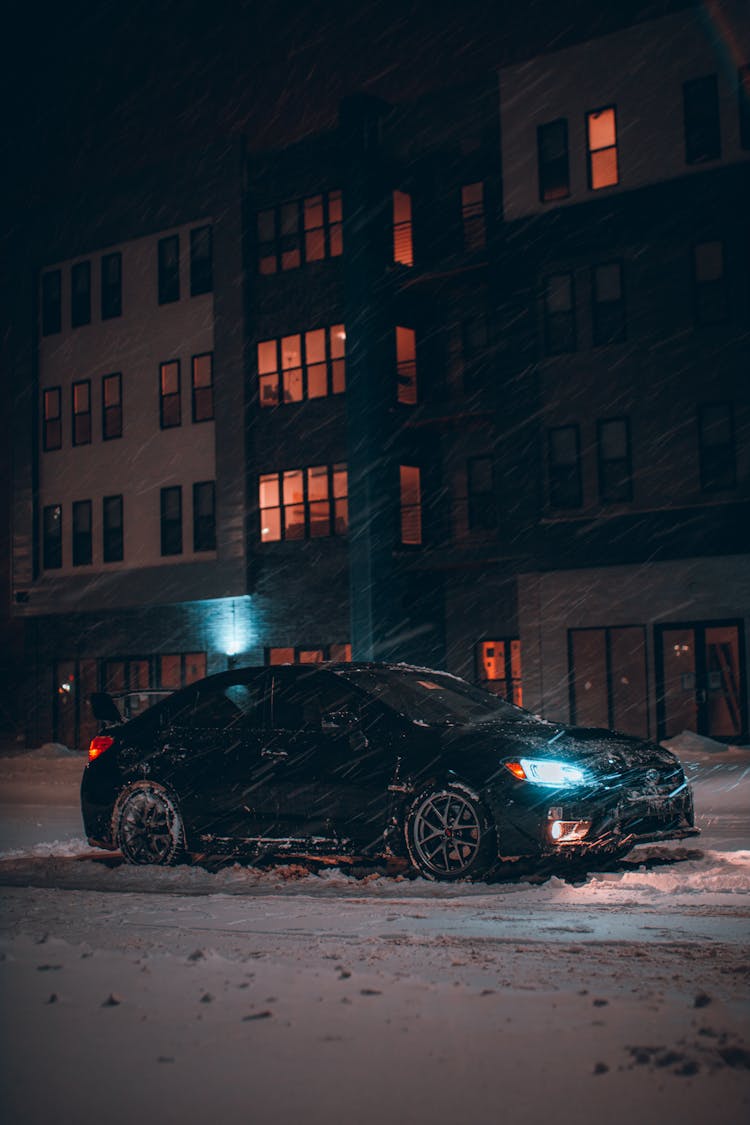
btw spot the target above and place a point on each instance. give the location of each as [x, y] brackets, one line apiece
[104, 707]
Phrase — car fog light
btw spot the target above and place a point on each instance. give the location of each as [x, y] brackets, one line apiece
[568, 831]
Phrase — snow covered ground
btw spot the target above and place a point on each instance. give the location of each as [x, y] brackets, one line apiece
[186, 994]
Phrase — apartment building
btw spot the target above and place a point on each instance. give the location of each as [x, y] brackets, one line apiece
[457, 382]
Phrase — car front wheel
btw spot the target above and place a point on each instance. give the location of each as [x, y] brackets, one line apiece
[148, 826]
[449, 835]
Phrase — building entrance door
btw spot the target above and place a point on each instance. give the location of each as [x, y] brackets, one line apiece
[701, 679]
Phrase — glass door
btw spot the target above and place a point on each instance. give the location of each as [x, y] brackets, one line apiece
[701, 678]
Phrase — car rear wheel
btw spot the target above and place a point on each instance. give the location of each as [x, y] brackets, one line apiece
[148, 827]
[449, 835]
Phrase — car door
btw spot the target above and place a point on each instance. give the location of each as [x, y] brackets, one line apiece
[331, 765]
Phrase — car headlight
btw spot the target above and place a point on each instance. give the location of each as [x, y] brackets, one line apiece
[542, 771]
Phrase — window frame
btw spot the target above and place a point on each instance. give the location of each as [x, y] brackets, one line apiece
[48, 422]
[704, 446]
[333, 374]
[473, 219]
[403, 230]
[546, 194]
[407, 370]
[80, 299]
[196, 390]
[113, 534]
[110, 294]
[51, 299]
[552, 319]
[204, 526]
[601, 309]
[201, 266]
[512, 686]
[81, 418]
[411, 510]
[607, 495]
[338, 505]
[165, 398]
[83, 540]
[174, 527]
[481, 505]
[52, 544]
[707, 291]
[168, 276]
[701, 120]
[592, 152]
[109, 411]
[295, 241]
[553, 489]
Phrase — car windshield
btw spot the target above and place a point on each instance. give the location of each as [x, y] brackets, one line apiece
[431, 698]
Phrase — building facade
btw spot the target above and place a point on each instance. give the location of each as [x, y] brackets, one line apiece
[460, 382]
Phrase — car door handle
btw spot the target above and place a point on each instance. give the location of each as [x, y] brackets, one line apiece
[280, 755]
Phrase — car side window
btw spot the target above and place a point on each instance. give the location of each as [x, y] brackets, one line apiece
[312, 700]
[221, 706]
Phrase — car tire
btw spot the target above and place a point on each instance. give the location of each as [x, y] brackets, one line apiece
[147, 826]
[450, 835]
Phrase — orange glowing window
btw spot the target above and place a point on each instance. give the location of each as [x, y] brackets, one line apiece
[601, 125]
[411, 505]
[291, 368]
[303, 503]
[499, 668]
[302, 366]
[403, 251]
[170, 411]
[406, 366]
[311, 656]
[342, 653]
[52, 428]
[82, 412]
[300, 231]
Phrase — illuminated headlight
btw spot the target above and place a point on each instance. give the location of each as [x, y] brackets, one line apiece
[540, 771]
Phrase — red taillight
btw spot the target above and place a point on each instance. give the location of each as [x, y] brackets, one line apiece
[98, 745]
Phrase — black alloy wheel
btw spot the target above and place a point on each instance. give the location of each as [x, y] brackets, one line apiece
[449, 835]
[149, 828]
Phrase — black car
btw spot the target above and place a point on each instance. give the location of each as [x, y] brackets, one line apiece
[370, 760]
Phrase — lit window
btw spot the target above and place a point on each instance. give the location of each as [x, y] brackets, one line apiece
[52, 537]
[311, 365]
[201, 266]
[82, 412]
[564, 464]
[112, 529]
[499, 668]
[406, 366]
[552, 150]
[482, 500]
[559, 310]
[602, 148]
[52, 422]
[111, 406]
[472, 214]
[280, 655]
[171, 521]
[403, 251]
[111, 286]
[608, 303]
[170, 409]
[340, 653]
[180, 669]
[717, 446]
[169, 269]
[303, 503]
[300, 231]
[204, 516]
[411, 505]
[80, 294]
[51, 302]
[709, 283]
[82, 539]
[702, 125]
[203, 387]
[614, 457]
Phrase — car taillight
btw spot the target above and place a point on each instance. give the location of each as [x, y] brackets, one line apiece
[98, 745]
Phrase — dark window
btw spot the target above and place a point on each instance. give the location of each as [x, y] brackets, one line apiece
[472, 214]
[303, 503]
[700, 100]
[564, 458]
[300, 231]
[743, 104]
[607, 303]
[81, 532]
[169, 269]
[82, 412]
[552, 149]
[52, 421]
[171, 521]
[474, 340]
[203, 387]
[717, 447]
[111, 286]
[51, 302]
[406, 366]
[410, 505]
[482, 501]
[499, 668]
[170, 410]
[204, 516]
[615, 463]
[112, 529]
[201, 261]
[559, 314]
[601, 132]
[403, 249]
[709, 283]
[305, 365]
[52, 537]
[80, 294]
[112, 406]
